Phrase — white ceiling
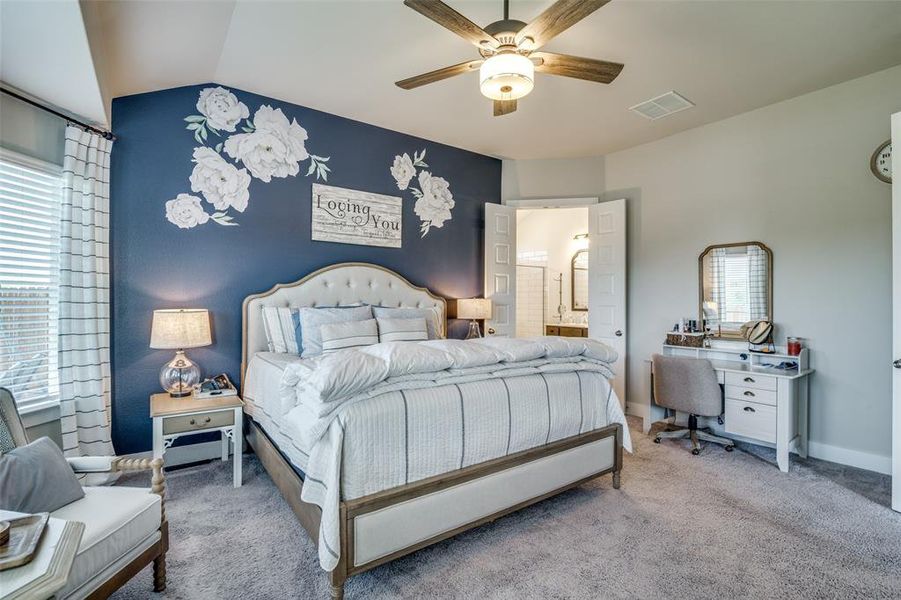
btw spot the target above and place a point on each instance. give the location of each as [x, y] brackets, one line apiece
[343, 56]
[44, 51]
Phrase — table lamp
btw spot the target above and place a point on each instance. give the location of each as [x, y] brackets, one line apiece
[177, 329]
[474, 309]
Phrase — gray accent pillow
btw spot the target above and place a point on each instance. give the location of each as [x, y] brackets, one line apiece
[353, 334]
[311, 319]
[429, 314]
[402, 330]
[37, 478]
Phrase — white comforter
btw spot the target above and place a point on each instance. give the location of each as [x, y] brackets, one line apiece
[389, 414]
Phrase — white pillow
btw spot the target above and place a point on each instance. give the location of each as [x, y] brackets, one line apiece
[429, 314]
[353, 334]
[312, 319]
[403, 330]
[282, 327]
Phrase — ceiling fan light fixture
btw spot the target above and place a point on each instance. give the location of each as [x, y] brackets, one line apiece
[506, 76]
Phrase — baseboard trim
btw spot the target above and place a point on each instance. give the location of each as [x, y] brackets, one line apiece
[190, 453]
[852, 458]
[868, 461]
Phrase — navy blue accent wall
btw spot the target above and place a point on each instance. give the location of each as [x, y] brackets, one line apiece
[157, 265]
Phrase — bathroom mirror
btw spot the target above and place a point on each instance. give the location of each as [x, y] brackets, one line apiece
[579, 280]
[735, 286]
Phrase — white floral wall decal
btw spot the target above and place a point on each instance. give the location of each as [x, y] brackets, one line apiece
[434, 200]
[186, 211]
[220, 182]
[268, 146]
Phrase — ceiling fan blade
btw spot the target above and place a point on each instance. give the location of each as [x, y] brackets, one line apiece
[504, 107]
[590, 69]
[561, 15]
[438, 74]
[450, 19]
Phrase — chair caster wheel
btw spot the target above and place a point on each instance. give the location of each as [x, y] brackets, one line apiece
[730, 448]
[656, 440]
[695, 451]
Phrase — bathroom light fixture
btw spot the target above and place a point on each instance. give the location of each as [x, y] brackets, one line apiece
[506, 76]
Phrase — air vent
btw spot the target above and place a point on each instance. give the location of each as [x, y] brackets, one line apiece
[661, 106]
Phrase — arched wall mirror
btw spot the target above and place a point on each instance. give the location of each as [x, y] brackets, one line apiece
[579, 281]
[735, 286]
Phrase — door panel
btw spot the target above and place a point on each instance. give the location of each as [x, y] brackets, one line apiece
[607, 283]
[896, 311]
[500, 268]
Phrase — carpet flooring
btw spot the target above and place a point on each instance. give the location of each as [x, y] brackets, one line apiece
[718, 525]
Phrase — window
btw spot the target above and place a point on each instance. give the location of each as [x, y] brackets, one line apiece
[30, 193]
[737, 301]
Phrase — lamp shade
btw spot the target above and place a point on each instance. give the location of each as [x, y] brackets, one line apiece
[179, 328]
[506, 76]
[474, 308]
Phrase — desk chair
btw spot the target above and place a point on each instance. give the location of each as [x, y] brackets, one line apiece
[689, 385]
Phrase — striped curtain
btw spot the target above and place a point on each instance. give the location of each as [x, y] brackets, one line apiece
[84, 312]
[758, 278]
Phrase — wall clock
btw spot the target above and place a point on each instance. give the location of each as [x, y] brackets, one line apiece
[881, 162]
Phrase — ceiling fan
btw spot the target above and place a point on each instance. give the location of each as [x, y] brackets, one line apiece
[509, 50]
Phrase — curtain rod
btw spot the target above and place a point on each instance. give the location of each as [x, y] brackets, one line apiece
[106, 134]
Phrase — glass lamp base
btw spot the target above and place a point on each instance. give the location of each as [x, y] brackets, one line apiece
[179, 375]
[474, 331]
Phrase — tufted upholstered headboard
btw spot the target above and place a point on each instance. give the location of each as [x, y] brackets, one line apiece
[337, 285]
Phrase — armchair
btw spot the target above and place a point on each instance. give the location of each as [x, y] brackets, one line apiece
[125, 527]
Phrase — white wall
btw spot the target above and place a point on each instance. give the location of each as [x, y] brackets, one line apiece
[31, 131]
[794, 175]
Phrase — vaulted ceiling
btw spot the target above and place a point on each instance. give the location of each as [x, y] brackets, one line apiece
[343, 56]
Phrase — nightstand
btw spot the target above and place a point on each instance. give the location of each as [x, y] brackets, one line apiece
[177, 417]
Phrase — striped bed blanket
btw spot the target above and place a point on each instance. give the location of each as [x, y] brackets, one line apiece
[373, 418]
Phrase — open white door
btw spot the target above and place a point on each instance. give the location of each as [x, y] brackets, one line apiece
[607, 282]
[896, 312]
[500, 268]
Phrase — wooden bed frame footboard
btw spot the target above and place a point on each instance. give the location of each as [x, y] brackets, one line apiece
[290, 484]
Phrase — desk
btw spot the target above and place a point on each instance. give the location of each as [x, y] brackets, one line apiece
[763, 405]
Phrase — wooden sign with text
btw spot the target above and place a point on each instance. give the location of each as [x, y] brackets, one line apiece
[354, 217]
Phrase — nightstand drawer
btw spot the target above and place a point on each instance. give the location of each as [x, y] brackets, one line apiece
[752, 420]
[551, 330]
[210, 420]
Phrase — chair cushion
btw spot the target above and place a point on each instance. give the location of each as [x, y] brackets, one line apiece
[116, 519]
[37, 478]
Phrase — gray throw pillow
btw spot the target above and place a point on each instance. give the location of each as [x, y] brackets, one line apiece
[37, 478]
[312, 318]
[429, 314]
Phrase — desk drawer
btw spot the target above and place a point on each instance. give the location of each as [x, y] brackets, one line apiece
[751, 380]
[210, 420]
[750, 419]
[749, 394]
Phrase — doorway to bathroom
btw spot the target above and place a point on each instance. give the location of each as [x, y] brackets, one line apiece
[552, 271]
[542, 255]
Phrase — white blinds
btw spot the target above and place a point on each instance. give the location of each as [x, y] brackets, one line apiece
[736, 307]
[30, 193]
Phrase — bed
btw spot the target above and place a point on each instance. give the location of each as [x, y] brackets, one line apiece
[384, 450]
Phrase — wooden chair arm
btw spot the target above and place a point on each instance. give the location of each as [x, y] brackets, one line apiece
[157, 481]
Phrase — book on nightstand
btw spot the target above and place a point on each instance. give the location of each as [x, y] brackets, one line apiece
[215, 387]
